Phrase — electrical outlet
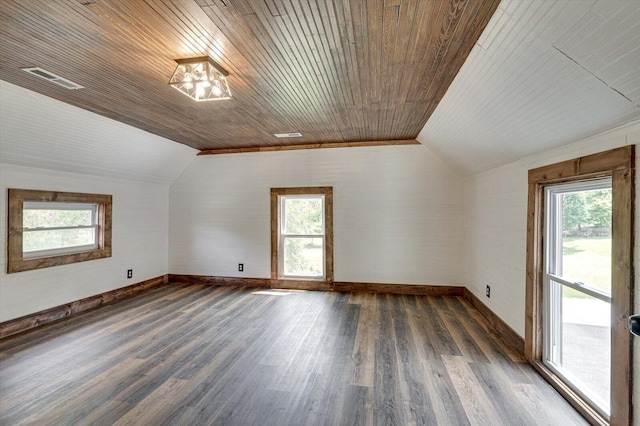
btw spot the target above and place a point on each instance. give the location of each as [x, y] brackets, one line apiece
[489, 292]
[241, 267]
[129, 273]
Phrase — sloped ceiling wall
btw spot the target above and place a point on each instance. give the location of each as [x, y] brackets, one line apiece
[543, 74]
[42, 132]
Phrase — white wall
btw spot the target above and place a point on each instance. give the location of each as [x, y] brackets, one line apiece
[496, 223]
[397, 213]
[49, 145]
[495, 240]
[140, 242]
[496, 233]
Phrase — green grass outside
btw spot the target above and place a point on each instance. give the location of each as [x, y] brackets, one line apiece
[587, 260]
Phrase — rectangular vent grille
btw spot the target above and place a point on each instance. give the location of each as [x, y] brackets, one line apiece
[39, 72]
[287, 135]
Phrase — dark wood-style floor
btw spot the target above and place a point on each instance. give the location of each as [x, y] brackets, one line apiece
[195, 354]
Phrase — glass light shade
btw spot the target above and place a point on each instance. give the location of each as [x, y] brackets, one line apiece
[202, 79]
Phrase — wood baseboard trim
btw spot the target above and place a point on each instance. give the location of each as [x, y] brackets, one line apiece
[37, 319]
[412, 289]
[502, 328]
[251, 282]
[213, 280]
[340, 286]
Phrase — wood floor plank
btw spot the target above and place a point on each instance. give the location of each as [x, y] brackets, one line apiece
[448, 404]
[419, 408]
[364, 345]
[488, 331]
[152, 409]
[209, 355]
[502, 399]
[388, 405]
[542, 405]
[476, 402]
[338, 371]
[439, 341]
[94, 393]
[354, 409]
[488, 343]
[453, 324]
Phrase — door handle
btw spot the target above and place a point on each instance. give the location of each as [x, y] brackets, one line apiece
[634, 324]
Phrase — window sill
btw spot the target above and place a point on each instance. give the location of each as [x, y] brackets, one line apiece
[21, 265]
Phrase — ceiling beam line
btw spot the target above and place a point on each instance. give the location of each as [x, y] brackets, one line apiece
[307, 146]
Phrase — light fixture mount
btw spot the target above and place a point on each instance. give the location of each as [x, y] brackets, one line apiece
[201, 78]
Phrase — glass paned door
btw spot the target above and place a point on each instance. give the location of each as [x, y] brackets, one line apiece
[577, 296]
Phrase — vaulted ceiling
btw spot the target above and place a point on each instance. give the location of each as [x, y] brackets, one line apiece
[336, 71]
[544, 73]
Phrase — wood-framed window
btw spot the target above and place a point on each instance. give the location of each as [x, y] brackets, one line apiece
[302, 234]
[49, 228]
[589, 173]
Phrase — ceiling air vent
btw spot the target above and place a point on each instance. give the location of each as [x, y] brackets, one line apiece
[39, 72]
[288, 135]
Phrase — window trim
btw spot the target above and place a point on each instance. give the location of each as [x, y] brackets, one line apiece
[620, 165]
[17, 262]
[327, 192]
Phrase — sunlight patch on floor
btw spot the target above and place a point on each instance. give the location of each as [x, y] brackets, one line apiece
[272, 292]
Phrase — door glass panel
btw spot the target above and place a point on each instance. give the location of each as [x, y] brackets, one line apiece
[578, 288]
[584, 353]
[586, 237]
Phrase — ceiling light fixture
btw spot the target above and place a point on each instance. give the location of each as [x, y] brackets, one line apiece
[202, 79]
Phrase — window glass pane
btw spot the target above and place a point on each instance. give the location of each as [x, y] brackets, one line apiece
[585, 356]
[304, 256]
[303, 216]
[59, 238]
[586, 238]
[54, 218]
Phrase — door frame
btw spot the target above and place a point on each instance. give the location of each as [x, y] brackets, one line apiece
[620, 165]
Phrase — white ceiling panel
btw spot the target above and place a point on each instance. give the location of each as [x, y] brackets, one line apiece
[544, 73]
[38, 131]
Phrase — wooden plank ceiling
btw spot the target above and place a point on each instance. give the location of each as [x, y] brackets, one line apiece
[337, 71]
